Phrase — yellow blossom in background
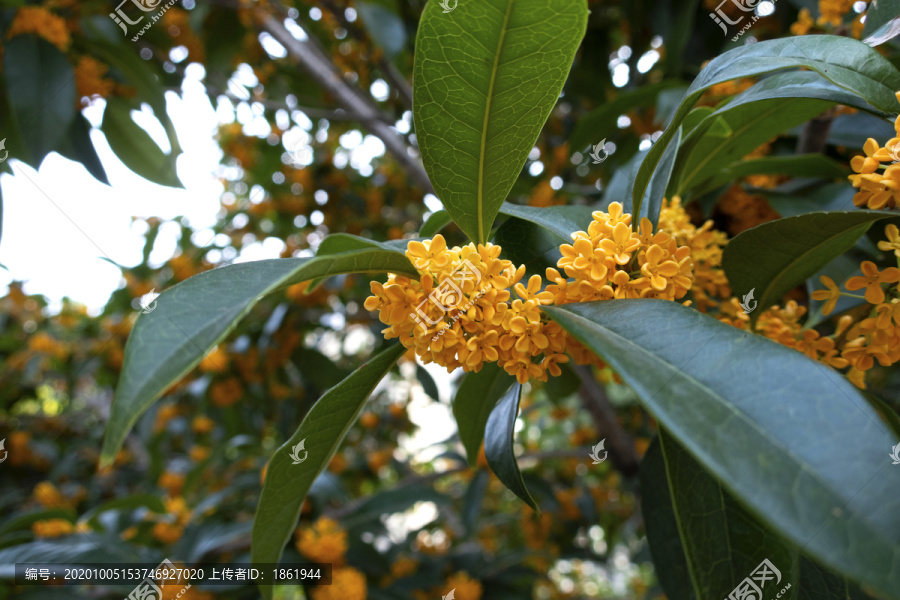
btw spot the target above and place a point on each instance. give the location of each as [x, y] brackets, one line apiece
[216, 361]
[225, 393]
[166, 413]
[51, 528]
[89, 79]
[831, 12]
[167, 533]
[466, 587]
[48, 496]
[346, 584]
[199, 453]
[171, 482]
[42, 22]
[202, 424]
[324, 541]
[804, 22]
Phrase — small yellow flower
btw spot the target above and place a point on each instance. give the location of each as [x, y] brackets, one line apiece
[42, 22]
[872, 280]
[346, 584]
[202, 425]
[893, 235]
[50, 528]
[466, 587]
[831, 294]
[324, 541]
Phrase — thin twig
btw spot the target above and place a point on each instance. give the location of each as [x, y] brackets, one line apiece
[618, 443]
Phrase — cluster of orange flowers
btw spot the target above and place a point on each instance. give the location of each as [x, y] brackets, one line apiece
[325, 541]
[461, 312]
[878, 189]
[831, 12]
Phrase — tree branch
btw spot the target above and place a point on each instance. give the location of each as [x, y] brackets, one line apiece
[618, 443]
[322, 70]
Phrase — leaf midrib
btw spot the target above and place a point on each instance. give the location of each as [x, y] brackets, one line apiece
[733, 408]
[487, 113]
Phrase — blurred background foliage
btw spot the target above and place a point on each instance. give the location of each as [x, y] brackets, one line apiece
[398, 512]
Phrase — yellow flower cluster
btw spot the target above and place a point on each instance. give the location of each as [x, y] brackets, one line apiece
[177, 516]
[878, 190]
[346, 584]
[325, 541]
[462, 313]
[41, 22]
[90, 81]
[832, 11]
[804, 23]
[466, 587]
[706, 246]
[51, 528]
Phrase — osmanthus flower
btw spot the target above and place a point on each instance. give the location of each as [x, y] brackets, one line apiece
[325, 541]
[891, 233]
[878, 190]
[470, 307]
[831, 294]
[872, 279]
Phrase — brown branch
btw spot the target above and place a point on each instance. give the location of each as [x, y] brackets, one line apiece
[394, 78]
[814, 134]
[619, 444]
[322, 70]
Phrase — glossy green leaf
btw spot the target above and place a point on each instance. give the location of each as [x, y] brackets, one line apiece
[764, 420]
[770, 107]
[40, 89]
[485, 79]
[669, 560]
[562, 221]
[602, 122]
[817, 583]
[499, 437]
[774, 257]
[427, 381]
[134, 146]
[804, 165]
[435, 224]
[791, 203]
[473, 499]
[385, 27]
[847, 63]
[79, 147]
[879, 14]
[723, 543]
[195, 315]
[474, 401]
[322, 431]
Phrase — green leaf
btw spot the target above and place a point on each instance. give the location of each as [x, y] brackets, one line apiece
[134, 146]
[151, 501]
[659, 182]
[25, 520]
[40, 88]
[195, 315]
[847, 63]
[427, 381]
[322, 431]
[879, 14]
[474, 401]
[722, 542]
[390, 501]
[79, 147]
[498, 445]
[803, 165]
[791, 203]
[385, 27]
[435, 224]
[773, 105]
[774, 257]
[602, 122]
[562, 221]
[473, 499]
[669, 560]
[486, 77]
[764, 420]
[817, 583]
